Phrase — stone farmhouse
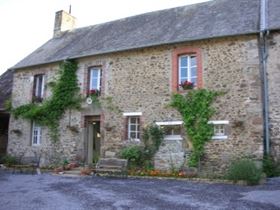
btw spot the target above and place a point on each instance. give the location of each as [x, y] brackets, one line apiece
[138, 62]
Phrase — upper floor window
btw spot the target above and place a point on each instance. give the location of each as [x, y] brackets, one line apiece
[36, 133]
[95, 79]
[186, 68]
[39, 87]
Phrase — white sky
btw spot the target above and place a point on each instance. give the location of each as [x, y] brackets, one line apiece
[27, 24]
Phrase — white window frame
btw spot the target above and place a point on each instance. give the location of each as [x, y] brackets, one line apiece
[36, 134]
[188, 68]
[167, 123]
[39, 93]
[137, 124]
[219, 136]
[98, 69]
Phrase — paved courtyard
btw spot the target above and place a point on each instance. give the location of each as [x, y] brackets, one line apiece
[50, 192]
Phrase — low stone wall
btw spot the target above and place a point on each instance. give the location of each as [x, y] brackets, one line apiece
[170, 155]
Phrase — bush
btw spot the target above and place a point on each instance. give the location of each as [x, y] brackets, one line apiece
[245, 170]
[142, 156]
[9, 160]
[270, 167]
[133, 154]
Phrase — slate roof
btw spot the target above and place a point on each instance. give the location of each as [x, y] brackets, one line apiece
[206, 20]
[6, 82]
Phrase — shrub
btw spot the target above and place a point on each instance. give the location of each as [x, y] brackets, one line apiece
[133, 154]
[270, 167]
[9, 160]
[245, 170]
[142, 156]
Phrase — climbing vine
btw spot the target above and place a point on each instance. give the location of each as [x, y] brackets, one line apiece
[142, 155]
[65, 95]
[195, 108]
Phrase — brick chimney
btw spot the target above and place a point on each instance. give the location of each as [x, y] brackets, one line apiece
[63, 22]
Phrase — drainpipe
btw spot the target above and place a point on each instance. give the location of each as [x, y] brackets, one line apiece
[263, 66]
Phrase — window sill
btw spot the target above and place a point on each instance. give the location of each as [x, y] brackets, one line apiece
[219, 137]
[133, 141]
[173, 138]
[183, 91]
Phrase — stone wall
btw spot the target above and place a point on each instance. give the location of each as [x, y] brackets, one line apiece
[141, 80]
[273, 70]
[20, 130]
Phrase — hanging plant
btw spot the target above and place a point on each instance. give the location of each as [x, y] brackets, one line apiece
[93, 97]
[195, 108]
[65, 96]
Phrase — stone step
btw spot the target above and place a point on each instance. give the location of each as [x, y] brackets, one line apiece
[74, 171]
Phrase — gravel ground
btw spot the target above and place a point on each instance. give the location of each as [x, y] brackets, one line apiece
[50, 192]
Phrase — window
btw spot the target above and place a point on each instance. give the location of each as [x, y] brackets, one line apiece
[186, 66]
[36, 134]
[39, 87]
[94, 79]
[133, 127]
[187, 69]
[172, 129]
[220, 129]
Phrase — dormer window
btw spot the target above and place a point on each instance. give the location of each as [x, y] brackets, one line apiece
[39, 87]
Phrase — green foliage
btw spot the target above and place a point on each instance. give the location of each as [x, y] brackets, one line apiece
[65, 162]
[9, 160]
[152, 138]
[65, 95]
[8, 105]
[133, 154]
[195, 108]
[270, 167]
[245, 170]
[142, 155]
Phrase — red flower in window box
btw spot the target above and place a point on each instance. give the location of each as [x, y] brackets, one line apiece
[187, 85]
[93, 92]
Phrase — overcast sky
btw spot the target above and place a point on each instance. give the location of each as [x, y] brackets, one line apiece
[27, 24]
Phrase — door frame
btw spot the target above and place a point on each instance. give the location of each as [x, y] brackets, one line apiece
[89, 136]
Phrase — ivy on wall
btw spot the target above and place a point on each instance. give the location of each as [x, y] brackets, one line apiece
[195, 108]
[65, 95]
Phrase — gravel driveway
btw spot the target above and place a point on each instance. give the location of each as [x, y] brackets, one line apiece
[56, 193]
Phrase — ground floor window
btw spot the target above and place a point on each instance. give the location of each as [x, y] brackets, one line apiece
[36, 134]
[172, 129]
[133, 125]
[220, 129]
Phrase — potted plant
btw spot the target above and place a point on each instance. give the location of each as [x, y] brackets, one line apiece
[187, 85]
[92, 96]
